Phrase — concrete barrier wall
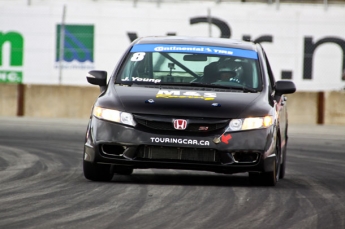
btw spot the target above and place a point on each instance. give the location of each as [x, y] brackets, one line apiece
[8, 99]
[59, 101]
[335, 107]
[53, 101]
[302, 107]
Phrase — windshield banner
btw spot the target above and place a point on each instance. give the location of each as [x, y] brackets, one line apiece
[196, 49]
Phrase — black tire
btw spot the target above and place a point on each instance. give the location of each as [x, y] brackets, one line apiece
[123, 170]
[97, 172]
[283, 165]
[271, 178]
[268, 178]
[265, 178]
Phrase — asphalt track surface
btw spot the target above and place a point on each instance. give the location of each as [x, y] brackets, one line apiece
[42, 186]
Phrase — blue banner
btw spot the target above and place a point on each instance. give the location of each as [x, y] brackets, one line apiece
[195, 49]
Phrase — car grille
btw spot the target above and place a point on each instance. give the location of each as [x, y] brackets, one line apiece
[180, 154]
[193, 125]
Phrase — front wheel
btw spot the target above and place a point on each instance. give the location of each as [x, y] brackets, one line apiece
[268, 178]
[283, 165]
[271, 178]
[97, 172]
[265, 178]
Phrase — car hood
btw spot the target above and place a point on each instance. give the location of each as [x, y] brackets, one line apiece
[185, 103]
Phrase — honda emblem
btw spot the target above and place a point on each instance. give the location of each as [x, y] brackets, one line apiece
[180, 124]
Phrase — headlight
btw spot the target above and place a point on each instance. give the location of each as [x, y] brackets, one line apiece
[250, 123]
[114, 116]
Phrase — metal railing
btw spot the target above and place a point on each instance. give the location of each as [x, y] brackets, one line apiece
[158, 2]
[326, 3]
[277, 3]
[244, 1]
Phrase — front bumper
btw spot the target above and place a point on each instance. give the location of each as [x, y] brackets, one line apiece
[116, 144]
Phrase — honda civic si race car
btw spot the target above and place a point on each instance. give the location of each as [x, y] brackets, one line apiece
[191, 103]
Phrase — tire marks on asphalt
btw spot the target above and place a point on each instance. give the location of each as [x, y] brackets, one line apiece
[42, 186]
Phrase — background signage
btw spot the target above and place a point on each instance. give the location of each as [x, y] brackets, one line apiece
[11, 60]
[305, 42]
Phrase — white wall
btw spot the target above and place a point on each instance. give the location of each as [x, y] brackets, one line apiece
[113, 19]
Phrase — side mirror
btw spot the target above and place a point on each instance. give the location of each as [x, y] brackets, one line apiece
[99, 78]
[284, 87]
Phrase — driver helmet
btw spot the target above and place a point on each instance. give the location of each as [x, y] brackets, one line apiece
[230, 69]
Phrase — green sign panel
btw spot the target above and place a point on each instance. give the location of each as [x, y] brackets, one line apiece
[16, 57]
[11, 77]
[78, 43]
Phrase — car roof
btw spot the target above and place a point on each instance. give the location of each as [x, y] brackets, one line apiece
[208, 41]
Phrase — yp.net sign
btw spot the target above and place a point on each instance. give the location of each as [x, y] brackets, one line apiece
[11, 57]
[77, 51]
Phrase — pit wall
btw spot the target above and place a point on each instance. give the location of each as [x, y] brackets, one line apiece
[55, 101]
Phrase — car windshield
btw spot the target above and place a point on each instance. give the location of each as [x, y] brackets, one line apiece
[162, 64]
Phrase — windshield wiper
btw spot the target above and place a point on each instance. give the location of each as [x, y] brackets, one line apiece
[208, 85]
[193, 84]
[244, 89]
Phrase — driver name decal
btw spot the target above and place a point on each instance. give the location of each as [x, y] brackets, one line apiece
[186, 95]
[138, 79]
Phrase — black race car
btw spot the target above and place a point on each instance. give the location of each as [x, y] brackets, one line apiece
[190, 103]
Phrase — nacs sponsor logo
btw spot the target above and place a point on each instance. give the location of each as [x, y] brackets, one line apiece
[75, 46]
[11, 57]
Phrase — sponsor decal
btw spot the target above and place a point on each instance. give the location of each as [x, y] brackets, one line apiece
[78, 47]
[180, 124]
[225, 138]
[187, 95]
[11, 71]
[195, 49]
[138, 79]
[182, 141]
